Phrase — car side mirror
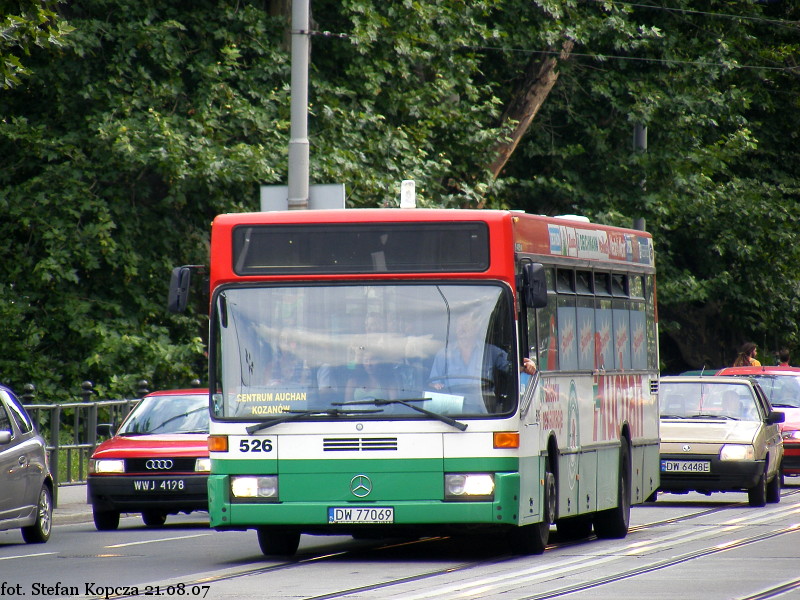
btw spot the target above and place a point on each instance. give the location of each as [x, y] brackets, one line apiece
[5, 437]
[105, 429]
[775, 417]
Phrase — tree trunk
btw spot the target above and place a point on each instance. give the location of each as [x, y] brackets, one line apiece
[540, 76]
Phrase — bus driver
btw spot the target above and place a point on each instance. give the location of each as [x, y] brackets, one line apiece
[469, 361]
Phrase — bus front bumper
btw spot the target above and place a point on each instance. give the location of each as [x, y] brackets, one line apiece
[320, 516]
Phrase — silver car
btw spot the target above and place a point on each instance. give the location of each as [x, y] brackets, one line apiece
[719, 434]
[26, 486]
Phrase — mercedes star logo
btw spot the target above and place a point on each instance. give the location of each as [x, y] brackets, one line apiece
[160, 464]
[361, 486]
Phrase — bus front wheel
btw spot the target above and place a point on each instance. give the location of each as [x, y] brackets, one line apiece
[532, 539]
[278, 542]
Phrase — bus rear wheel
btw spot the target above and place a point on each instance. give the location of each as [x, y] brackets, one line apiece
[532, 539]
[613, 523]
[277, 542]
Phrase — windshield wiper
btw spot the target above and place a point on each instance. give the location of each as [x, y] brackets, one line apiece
[407, 402]
[182, 415]
[673, 416]
[707, 416]
[291, 415]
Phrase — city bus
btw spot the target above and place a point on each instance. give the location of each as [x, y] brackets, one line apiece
[371, 374]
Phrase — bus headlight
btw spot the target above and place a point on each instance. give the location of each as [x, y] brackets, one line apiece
[737, 452]
[202, 465]
[261, 487]
[106, 465]
[469, 486]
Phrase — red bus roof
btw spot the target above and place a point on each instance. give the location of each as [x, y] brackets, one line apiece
[567, 238]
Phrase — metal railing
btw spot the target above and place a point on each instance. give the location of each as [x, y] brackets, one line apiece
[70, 432]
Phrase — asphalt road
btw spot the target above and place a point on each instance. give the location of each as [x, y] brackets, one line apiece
[682, 547]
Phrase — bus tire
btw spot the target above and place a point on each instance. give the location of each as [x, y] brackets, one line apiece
[613, 523]
[277, 542]
[532, 539]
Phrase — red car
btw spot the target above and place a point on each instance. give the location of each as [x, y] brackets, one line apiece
[782, 387]
[156, 464]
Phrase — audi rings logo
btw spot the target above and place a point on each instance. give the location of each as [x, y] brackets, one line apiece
[360, 486]
[161, 464]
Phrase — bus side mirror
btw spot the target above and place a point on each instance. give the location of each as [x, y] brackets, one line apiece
[534, 285]
[179, 289]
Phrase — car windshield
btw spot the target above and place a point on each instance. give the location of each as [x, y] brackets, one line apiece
[691, 400]
[332, 351]
[168, 414]
[781, 390]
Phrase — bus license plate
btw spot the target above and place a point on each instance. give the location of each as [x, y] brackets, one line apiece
[685, 466]
[362, 514]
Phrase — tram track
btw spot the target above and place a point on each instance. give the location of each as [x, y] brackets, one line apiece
[534, 574]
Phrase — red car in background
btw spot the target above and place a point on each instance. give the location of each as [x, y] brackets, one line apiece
[156, 464]
[782, 387]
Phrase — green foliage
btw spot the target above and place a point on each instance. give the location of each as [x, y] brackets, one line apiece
[25, 24]
[130, 133]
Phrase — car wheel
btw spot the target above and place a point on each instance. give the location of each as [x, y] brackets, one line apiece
[105, 520]
[774, 489]
[154, 518]
[39, 532]
[613, 523]
[276, 542]
[757, 495]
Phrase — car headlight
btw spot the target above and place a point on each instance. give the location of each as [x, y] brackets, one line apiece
[202, 465]
[469, 486]
[737, 452]
[106, 465]
[791, 434]
[261, 487]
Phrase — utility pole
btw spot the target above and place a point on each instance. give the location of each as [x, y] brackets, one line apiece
[639, 146]
[298, 131]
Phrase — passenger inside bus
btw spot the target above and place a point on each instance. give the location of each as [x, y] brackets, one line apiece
[371, 379]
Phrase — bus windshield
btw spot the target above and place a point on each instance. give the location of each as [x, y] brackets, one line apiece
[368, 351]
